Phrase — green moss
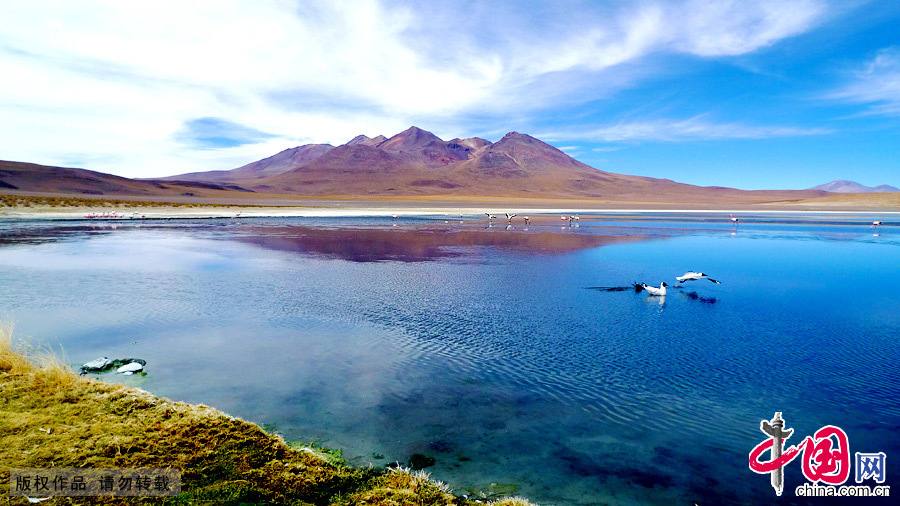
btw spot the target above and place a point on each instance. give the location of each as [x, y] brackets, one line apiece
[333, 456]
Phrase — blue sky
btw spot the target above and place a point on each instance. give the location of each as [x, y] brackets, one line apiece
[765, 94]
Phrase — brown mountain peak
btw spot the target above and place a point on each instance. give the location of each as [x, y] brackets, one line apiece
[519, 137]
[410, 139]
[365, 140]
[414, 130]
[360, 139]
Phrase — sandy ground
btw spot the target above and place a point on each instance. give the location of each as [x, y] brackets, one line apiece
[876, 205]
[382, 209]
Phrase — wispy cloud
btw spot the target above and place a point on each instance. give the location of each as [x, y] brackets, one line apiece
[207, 133]
[124, 80]
[697, 128]
[735, 27]
[876, 85]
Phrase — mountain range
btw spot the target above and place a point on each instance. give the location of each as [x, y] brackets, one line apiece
[846, 186]
[417, 162]
[412, 163]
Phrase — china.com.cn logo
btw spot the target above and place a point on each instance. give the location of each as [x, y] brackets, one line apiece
[824, 460]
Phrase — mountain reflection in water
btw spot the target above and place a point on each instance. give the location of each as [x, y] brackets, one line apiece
[418, 244]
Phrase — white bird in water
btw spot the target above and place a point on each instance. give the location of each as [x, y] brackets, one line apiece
[130, 368]
[876, 223]
[490, 216]
[694, 276]
[734, 219]
[509, 217]
[652, 290]
[526, 220]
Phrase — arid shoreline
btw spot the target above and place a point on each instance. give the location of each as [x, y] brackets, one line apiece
[58, 207]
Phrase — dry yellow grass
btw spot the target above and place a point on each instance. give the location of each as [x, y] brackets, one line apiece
[49, 417]
[54, 373]
[27, 201]
[873, 201]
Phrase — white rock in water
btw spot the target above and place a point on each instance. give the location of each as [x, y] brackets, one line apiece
[97, 363]
[130, 368]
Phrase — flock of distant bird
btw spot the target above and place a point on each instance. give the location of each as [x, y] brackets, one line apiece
[574, 217]
[734, 219]
[510, 216]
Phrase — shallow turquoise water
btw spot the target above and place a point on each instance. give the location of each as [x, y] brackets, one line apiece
[486, 348]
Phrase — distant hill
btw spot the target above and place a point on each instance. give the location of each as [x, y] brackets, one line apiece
[412, 163]
[31, 177]
[845, 186]
[273, 165]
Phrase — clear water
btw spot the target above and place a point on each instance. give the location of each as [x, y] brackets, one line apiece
[486, 348]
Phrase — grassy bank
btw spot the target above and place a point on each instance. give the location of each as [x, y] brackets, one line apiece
[49, 417]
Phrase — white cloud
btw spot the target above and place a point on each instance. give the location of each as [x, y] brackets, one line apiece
[674, 130]
[109, 85]
[876, 84]
[733, 27]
